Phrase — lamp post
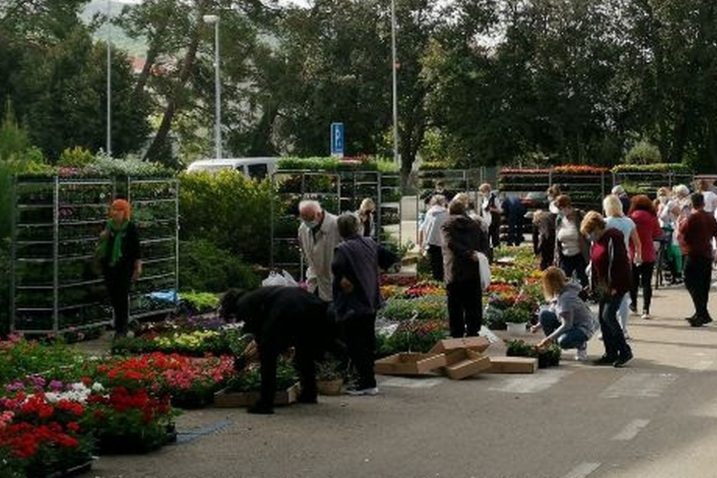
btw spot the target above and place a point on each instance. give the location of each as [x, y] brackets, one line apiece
[395, 82]
[109, 80]
[214, 19]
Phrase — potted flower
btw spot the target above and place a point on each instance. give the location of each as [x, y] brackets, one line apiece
[516, 319]
[329, 379]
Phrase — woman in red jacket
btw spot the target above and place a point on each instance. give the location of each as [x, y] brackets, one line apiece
[644, 215]
[611, 274]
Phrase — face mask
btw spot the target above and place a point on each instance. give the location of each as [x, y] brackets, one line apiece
[310, 224]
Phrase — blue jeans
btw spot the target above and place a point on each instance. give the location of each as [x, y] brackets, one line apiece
[612, 334]
[571, 339]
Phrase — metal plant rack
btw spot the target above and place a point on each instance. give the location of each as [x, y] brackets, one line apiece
[55, 286]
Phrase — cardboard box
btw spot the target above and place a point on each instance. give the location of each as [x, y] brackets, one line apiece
[476, 344]
[464, 363]
[513, 365]
[226, 399]
[409, 364]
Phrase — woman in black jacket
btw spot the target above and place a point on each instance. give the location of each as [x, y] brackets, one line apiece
[119, 255]
[463, 239]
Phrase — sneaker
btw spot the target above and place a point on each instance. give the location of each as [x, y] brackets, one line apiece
[707, 320]
[622, 360]
[582, 354]
[633, 309]
[600, 336]
[605, 360]
[361, 392]
[645, 315]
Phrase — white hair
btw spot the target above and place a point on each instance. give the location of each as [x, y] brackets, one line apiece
[612, 206]
[312, 204]
[681, 190]
[618, 190]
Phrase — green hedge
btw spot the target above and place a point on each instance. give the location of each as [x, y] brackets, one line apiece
[364, 163]
[679, 168]
[203, 266]
[228, 209]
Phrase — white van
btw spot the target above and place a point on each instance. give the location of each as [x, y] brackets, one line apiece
[257, 168]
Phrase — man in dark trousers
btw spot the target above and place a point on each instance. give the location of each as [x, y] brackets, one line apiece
[357, 298]
[280, 317]
[695, 235]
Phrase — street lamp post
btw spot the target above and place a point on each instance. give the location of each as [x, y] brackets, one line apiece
[395, 82]
[109, 80]
[214, 19]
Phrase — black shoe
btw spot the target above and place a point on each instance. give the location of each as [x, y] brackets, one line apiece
[633, 308]
[622, 360]
[707, 319]
[696, 321]
[261, 409]
[605, 360]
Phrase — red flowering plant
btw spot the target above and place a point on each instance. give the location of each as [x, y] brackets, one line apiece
[425, 288]
[191, 382]
[45, 432]
[133, 413]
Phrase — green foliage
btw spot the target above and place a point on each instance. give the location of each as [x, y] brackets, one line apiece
[229, 210]
[200, 301]
[517, 315]
[77, 157]
[4, 286]
[13, 139]
[548, 356]
[413, 336]
[26, 357]
[329, 369]
[427, 308]
[250, 379]
[643, 153]
[367, 163]
[653, 168]
[8, 168]
[205, 266]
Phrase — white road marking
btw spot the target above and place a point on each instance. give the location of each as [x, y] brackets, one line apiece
[641, 385]
[582, 470]
[631, 430]
[411, 382]
[702, 366]
[542, 380]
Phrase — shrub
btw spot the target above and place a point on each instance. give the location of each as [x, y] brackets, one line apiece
[4, 286]
[228, 209]
[77, 157]
[643, 153]
[206, 267]
[29, 163]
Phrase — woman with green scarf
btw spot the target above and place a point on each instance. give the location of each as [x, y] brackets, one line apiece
[120, 259]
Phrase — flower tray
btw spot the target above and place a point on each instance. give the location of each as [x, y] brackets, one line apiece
[227, 399]
[409, 364]
[135, 444]
[72, 471]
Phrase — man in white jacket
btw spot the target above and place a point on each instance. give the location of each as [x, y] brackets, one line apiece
[318, 237]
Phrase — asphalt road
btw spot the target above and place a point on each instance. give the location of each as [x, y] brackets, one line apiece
[655, 418]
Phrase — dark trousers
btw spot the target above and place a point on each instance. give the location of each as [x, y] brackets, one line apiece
[515, 230]
[494, 230]
[698, 276]
[465, 315]
[612, 335]
[118, 286]
[547, 256]
[575, 264]
[361, 345]
[304, 357]
[435, 255]
[642, 273]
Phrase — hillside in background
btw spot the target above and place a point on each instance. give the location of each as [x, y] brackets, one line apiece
[135, 48]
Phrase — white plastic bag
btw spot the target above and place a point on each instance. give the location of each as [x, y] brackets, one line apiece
[484, 271]
[283, 279]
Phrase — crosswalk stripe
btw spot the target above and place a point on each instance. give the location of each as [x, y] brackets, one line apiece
[641, 385]
[631, 430]
[539, 382]
[582, 470]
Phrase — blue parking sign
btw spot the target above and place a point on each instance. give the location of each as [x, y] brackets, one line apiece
[337, 139]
